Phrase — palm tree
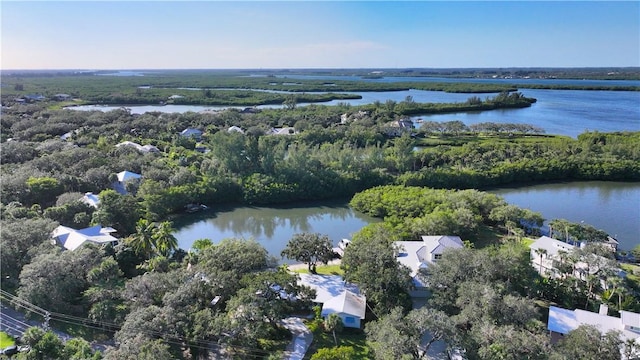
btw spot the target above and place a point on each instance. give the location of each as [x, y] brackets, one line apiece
[542, 252]
[142, 241]
[163, 239]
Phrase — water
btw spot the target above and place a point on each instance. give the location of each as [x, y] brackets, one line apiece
[611, 206]
[272, 227]
[515, 81]
[562, 112]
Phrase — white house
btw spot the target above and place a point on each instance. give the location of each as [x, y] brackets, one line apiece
[337, 296]
[399, 127]
[418, 255]
[283, 131]
[546, 254]
[123, 178]
[235, 129]
[91, 199]
[562, 321]
[191, 132]
[146, 148]
[72, 239]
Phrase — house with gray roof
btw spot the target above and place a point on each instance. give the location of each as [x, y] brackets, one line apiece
[562, 321]
[337, 297]
[417, 255]
[71, 239]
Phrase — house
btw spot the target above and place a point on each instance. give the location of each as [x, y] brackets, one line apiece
[562, 321]
[399, 127]
[283, 131]
[337, 297]
[125, 177]
[418, 255]
[191, 132]
[34, 97]
[145, 149]
[235, 129]
[62, 97]
[91, 199]
[72, 239]
[545, 251]
[548, 253]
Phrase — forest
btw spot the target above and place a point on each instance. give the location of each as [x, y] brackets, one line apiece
[156, 300]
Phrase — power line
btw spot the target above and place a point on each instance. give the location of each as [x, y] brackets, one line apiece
[99, 325]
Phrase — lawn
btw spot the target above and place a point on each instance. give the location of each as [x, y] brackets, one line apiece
[348, 337]
[6, 340]
[333, 269]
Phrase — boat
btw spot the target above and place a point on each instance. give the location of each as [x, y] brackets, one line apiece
[342, 245]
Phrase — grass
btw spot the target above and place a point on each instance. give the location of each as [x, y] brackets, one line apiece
[354, 338]
[6, 340]
[323, 270]
[633, 274]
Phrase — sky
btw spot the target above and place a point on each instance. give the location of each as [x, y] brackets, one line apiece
[317, 34]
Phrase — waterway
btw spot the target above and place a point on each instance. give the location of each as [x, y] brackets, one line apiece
[611, 206]
[561, 112]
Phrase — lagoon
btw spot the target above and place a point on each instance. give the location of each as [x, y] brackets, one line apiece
[561, 112]
[611, 206]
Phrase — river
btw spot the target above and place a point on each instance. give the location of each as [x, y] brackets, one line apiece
[611, 206]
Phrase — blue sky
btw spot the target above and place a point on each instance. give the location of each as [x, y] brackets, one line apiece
[317, 34]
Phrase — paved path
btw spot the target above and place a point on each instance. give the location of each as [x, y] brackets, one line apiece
[302, 338]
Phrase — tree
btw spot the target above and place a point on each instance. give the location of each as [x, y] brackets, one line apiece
[121, 212]
[371, 263]
[333, 323]
[587, 342]
[163, 239]
[310, 249]
[56, 280]
[335, 353]
[393, 337]
[542, 253]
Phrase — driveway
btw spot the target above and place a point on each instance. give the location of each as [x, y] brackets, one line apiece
[302, 338]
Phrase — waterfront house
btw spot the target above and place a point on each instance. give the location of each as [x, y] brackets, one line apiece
[562, 321]
[71, 239]
[398, 127]
[34, 97]
[62, 97]
[337, 297]
[417, 255]
[548, 255]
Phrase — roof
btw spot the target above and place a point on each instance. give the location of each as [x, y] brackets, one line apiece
[190, 131]
[71, 239]
[145, 148]
[552, 246]
[437, 244]
[346, 303]
[564, 320]
[236, 129]
[327, 286]
[408, 256]
[91, 199]
[124, 176]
